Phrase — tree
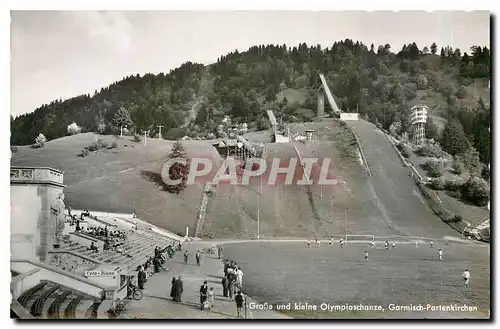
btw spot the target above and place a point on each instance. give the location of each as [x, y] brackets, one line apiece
[40, 141]
[425, 50]
[477, 191]
[443, 56]
[454, 139]
[434, 168]
[433, 48]
[74, 129]
[414, 51]
[422, 82]
[178, 170]
[431, 130]
[121, 118]
[470, 162]
[395, 128]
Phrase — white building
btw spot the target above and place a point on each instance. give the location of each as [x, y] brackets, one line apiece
[418, 118]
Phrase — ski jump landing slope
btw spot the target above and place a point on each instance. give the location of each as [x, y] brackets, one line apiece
[396, 196]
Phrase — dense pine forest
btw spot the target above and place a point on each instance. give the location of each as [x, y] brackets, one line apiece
[378, 82]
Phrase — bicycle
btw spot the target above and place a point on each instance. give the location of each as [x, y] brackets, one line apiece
[136, 293]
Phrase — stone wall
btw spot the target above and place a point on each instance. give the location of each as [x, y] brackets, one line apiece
[33, 191]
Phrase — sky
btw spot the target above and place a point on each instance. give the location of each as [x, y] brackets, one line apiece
[62, 54]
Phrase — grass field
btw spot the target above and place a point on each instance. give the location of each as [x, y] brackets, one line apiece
[278, 273]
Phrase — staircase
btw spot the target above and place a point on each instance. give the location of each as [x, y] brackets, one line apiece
[208, 190]
[49, 300]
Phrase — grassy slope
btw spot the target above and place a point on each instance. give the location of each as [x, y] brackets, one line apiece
[120, 180]
[127, 179]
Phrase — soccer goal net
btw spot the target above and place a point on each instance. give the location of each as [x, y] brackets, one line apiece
[367, 238]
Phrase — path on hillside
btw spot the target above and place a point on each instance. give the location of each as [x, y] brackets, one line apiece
[157, 303]
[396, 195]
[192, 113]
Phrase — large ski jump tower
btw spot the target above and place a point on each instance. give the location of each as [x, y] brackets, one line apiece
[418, 118]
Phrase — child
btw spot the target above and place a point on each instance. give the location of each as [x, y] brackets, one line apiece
[366, 255]
[211, 296]
[239, 303]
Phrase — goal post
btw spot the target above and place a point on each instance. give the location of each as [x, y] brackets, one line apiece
[359, 238]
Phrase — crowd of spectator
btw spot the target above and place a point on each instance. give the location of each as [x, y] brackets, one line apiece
[232, 280]
[155, 264]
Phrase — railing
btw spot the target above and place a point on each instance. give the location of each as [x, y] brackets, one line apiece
[23, 282]
[20, 311]
[51, 273]
[367, 166]
[36, 175]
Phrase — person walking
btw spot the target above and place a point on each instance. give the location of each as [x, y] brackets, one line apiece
[211, 297]
[231, 284]
[203, 294]
[172, 290]
[466, 277]
[186, 256]
[198, 256]
[239, 303]
[179, 289]
[141, 278]
[239, 278]
[225, 286]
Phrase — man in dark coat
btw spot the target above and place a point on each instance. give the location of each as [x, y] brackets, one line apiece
[198, 256]
[186, 256]
[172, 290]
[219, 251]
[231, 285]
[203, 293]
[225, 286]
[141, 278]
[179, 288]
[156, 264]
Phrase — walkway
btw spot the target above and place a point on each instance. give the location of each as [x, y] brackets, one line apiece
[157, 304]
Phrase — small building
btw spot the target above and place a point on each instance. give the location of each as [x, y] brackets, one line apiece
[238, 148]
[310, 134]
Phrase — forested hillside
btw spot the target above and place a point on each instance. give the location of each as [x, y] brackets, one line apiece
[379, 82]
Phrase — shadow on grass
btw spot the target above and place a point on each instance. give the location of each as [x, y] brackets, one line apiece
[154, 177]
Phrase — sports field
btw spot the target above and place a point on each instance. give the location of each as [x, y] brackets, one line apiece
[278, 273]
